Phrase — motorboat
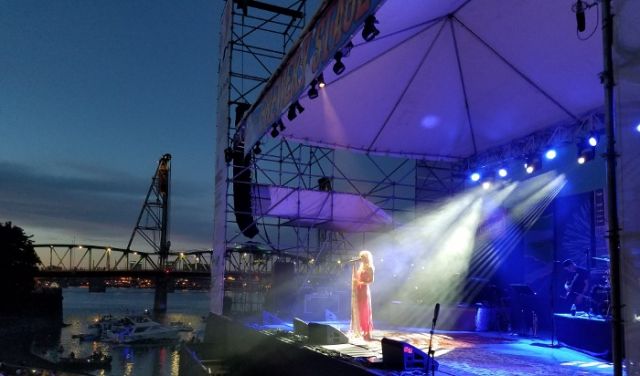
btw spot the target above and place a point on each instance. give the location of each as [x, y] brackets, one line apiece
[181, 326]
[100, 327]
[141, 329]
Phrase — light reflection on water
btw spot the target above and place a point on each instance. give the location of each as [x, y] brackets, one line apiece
[82, 307]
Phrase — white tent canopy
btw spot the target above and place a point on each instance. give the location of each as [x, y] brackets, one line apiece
[450, 79]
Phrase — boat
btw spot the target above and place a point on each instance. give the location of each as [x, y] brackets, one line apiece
[181, 326]
[102, 325]
[141, 329]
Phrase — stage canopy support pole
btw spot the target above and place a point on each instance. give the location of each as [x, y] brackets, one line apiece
[612, 194]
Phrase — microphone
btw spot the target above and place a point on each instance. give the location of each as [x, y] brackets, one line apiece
[354, 259]
[435, 313]
[580, 19]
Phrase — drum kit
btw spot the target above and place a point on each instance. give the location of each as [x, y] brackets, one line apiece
[601, 290]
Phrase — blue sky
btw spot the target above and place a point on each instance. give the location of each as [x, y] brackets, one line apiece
[92, 94]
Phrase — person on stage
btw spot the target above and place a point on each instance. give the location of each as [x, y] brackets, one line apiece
[577, 284]
[361, 315]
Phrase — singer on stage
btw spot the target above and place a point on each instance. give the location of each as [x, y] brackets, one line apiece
[361, 315]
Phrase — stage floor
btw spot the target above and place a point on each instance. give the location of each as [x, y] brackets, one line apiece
[466, 353]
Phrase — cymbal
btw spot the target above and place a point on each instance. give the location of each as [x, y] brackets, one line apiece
[606, 259]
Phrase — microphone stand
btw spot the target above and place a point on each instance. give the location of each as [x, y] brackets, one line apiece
[431, 354]
[552, 302]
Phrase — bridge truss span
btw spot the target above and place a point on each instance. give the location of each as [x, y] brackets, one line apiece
[65, 258]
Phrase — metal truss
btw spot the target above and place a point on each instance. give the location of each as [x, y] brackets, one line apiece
[153, 221]
[94, 258]
[535, 143]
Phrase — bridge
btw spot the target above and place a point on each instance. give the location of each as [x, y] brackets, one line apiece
[89, 261]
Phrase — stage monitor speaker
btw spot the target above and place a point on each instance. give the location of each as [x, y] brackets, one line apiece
[300, 327]
[323, 334]
[402, 356]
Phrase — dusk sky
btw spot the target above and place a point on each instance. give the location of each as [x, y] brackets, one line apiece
[92, 94]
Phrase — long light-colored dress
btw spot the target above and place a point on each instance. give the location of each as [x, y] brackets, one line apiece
[361, 315]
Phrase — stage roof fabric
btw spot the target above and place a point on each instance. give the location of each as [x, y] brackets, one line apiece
[450, 79]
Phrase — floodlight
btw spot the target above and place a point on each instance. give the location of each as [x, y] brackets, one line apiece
[550, 154]
[370, 31]
[532, 163]
[291, 114]
[338, 67]
[313, 92]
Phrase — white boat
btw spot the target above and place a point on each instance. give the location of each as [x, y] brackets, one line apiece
[101, 326]
[137, 329]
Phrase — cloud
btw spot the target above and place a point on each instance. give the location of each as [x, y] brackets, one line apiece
[96, 205]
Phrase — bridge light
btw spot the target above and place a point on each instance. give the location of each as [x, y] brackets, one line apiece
[135, 253]
[181, 254]
[108, 249]
[79, 247]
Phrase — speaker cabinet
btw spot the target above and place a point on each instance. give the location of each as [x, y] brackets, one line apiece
[402, 356]
[242, 192]
[323, 334]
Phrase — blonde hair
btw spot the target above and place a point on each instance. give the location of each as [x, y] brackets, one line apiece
[368, 256]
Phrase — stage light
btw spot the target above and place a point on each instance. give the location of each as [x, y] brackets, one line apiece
[321, 83]
[291, 114]
[256, 148]
[475, 176]
[370, 31]
[531, 164]
[638, 127]
[274, 130]
[486, 185]
[585, 155]
[502, 172]
[550, 154]
[313, 92]
[338, 67]
[228, 155]
[593, 140]
[280, 125]
[346, 50]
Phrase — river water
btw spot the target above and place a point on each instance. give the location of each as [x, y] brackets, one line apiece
[82, 307]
